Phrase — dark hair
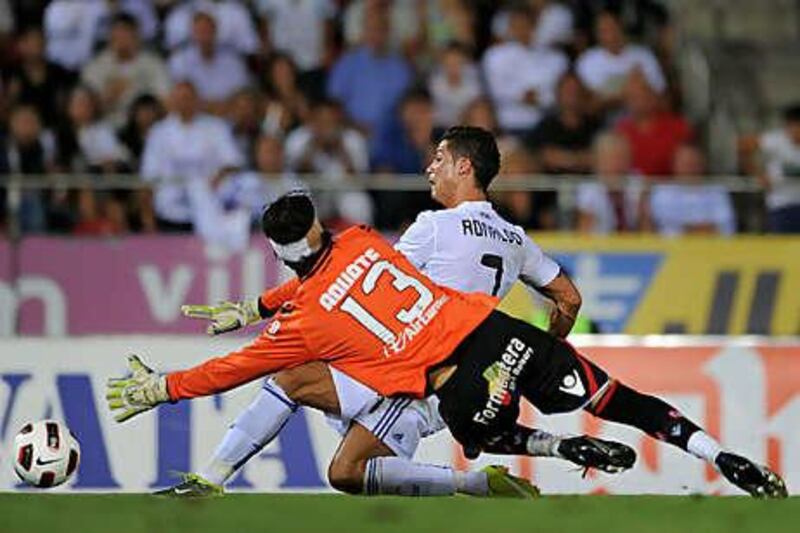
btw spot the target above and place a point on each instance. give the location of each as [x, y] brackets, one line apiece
[479, 146]
[416, 94]
[457, 47]
[125, 19]
[792, 113]
[325, 103]
[202, 13]
[288, 218]
[520, 8]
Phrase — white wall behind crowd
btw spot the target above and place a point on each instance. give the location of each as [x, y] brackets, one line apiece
[746, 393]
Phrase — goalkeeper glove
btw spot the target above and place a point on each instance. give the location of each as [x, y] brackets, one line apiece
[225, 317]
[137, 393]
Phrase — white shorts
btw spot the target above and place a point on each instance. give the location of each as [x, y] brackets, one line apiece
[399, 423]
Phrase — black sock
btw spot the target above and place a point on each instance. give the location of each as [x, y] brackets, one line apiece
[652, 415]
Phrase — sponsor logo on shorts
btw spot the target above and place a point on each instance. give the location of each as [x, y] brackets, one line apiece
[502, 377]
[572, 384]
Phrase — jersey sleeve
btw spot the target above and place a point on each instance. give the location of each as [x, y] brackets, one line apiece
[271, 299]
[274, 350]
[419, 240]
[537, 269]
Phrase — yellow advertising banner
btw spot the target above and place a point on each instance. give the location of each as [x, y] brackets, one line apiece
[695, 285]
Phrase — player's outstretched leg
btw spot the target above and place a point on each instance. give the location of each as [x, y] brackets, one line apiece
[403, 477]
[620, 403]
[364, 464]
[253, 429]
[582, 450]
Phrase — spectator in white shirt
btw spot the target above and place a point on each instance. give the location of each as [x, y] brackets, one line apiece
[236, 29]
[193, 151]
[215, 71]
[74, 27]
[86, 144]
[780, 176]
[124, 71]
[604, 68]
[554, 23]
[686, 205]
[453, 85]
[303, 29]
[325, 146]
[613, 202]
[522, 79]
[253, 189]
[71, 31]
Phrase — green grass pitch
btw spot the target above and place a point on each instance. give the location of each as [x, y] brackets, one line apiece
[287, 513]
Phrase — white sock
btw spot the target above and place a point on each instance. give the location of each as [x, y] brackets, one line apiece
[253, 429]
[401, 477]
[704, 446]
[472, 483]
[543, 444]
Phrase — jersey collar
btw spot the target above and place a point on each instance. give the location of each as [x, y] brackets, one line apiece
[474, 203]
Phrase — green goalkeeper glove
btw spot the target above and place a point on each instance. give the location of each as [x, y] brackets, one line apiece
[137, 393]
[225, 317]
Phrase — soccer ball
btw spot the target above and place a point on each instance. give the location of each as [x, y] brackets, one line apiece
[46, 453]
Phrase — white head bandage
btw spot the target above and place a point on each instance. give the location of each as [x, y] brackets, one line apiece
[292, 252]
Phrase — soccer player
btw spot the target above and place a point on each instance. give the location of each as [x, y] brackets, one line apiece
[364, 308]
[483, 253]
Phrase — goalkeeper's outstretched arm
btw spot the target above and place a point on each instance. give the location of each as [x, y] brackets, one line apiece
[231, 316]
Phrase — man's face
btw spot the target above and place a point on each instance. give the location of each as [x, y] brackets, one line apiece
[609, 33]
[444, 174]
[793, 130]
[326, 124]
[452, 63]
[269, 155]
[124, 40]
[204, 31]
[689, 163]
[184, 99]
[570, 93]
[31, 45]
[640, 99]
[25, 125]
[520, 27]
[376, 31]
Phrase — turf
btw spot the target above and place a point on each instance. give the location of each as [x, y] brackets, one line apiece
[280, 513]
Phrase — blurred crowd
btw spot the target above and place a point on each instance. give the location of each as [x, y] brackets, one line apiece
[225, 104]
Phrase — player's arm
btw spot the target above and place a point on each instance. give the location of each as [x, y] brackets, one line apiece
[566, 304]
[144, 388]
[262, 357]
[231, 316]
[544, 275]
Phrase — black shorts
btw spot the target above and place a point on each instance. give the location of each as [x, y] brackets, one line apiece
[505, 359]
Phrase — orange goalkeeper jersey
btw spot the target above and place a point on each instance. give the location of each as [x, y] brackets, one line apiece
[365, 309]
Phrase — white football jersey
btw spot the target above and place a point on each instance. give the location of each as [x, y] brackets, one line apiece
[473, 249]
